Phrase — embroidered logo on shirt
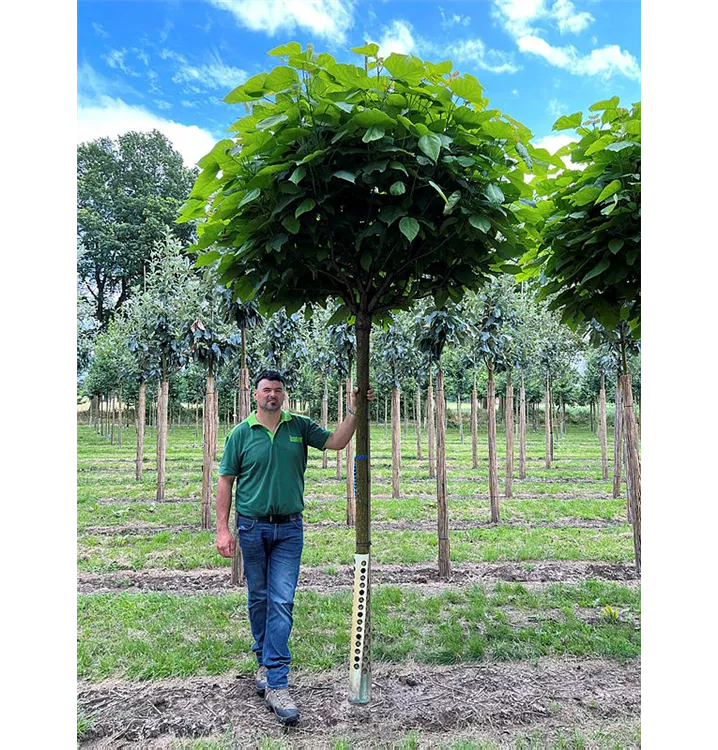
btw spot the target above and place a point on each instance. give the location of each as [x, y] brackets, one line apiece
[295, 438]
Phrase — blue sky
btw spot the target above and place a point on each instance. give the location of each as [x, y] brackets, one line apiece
[168, 64]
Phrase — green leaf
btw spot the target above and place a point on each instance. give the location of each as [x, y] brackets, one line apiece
[409, 227]
[281, 78]
[482, 223]
[304, 206]
[291, 224]
[271, 121]
[365, 261]
[390, 214]
[613, 187]
[342, 174]
[467, 88]
[396, 100]
[439, 191]
[398, 188]
[620, 145]
[431, 146]
[205, 259]
[249, 197]
[407, 67]
[297, 175]
[374, 133]
[494, 194]
[615, 245]
[291, 48]
[605, 104]
[277, 241]
[370, 117]
[596, 270]
[568, 122]
[341, 313]
[454, 198]
[398, 165]
[370, 50]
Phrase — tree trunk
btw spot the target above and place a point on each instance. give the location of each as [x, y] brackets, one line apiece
[325, 418]
[215, 433]
[633, 468]
[386, 418]
[406, 416]
[418, 422]
[522, 429]
[111, 413]
[119, 416]
[547, 423]
[590, 414]
[603, 430]
[460, 417]
[493, 468]
[340, 417]
[441, 505]
[360, 671]
[245, 401]
[563, 417]
[395, 441]
[208, 451]
[617, 442]
[474, 427]
[162, 399]
[430, 428]
[509, 485]
[141, 408]
[351, 501]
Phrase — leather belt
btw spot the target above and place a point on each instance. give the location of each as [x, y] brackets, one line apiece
[275, 518]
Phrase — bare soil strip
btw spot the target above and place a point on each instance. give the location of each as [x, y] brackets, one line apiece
[375, 496]
[495, 700]
[428, 525]
[217, 581]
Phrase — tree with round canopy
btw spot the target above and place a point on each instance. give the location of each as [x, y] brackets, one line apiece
[376, 184]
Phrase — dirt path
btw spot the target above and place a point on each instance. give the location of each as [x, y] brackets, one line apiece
[493, 700]
[217, 581]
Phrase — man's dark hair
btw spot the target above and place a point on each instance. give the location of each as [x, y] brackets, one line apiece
[269, 375]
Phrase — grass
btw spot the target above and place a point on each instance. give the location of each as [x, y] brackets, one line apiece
[151, 636]
[196, 549]
[410, 508]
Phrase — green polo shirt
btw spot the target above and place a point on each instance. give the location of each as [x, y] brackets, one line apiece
[270, 467]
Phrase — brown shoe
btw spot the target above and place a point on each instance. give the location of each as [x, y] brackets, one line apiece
[260, 680]
[283, 706]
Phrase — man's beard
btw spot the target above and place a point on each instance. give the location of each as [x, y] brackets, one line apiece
[271, 407]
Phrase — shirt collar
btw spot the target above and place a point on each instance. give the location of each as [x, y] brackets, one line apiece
[252, 420]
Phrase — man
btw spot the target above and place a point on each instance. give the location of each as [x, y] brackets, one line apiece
[267, 454]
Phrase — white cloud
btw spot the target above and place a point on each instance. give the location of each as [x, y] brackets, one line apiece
[108, 117]
[603, 62]
[449, 21]
[329, 19]
[162, 104]
[142, 56]
[214, 75]
[567, 18]
[519, 17]
[116, 59]
[474, 51]
[397, 38]
[99, 30]
[556, 108]
[561, 57]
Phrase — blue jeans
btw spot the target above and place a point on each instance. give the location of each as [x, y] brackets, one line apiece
[271, 553]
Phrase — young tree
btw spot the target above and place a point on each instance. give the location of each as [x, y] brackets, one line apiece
[589, 227]
[378, 185]
[437, 328]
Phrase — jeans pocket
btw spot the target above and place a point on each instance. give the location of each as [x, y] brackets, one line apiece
[298, 524]
[245, 524]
